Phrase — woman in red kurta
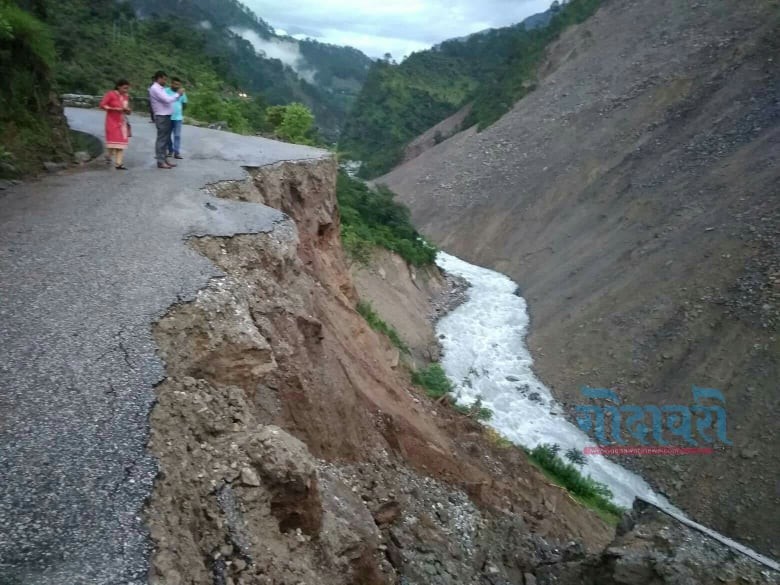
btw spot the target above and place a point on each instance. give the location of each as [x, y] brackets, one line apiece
[116, 103]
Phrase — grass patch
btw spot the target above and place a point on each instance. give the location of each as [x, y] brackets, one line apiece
[372, 218]
[585, 489]
[433, 380]
[377, 324]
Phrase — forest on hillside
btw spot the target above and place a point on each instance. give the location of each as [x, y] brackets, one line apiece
[491, 70]
[97, 41]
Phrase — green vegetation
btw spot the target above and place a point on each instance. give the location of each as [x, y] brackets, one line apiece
[377, 324]
[98, 42]
[30, 131]
[575, 457]
[433, 380]
[292, 123]
[397, 103]
[475, 410]
[585, 489]
[516, 77]
[491, 70]
[372, 218]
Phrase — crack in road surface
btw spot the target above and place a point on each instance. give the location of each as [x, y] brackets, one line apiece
[88, 261]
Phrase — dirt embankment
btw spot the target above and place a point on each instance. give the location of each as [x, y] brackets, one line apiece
[410, 299]
[634, 197]
[291, 451]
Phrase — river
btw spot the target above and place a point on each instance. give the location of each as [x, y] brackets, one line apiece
[485, 355]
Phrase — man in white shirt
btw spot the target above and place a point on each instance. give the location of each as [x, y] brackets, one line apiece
[161, 103]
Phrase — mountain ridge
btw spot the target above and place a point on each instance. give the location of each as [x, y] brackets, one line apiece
[489, 70]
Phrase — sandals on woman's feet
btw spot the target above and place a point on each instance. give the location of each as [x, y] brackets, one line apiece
[120, 167]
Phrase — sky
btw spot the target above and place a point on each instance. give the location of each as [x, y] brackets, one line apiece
[398, 27]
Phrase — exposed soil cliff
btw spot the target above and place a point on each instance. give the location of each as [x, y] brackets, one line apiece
[291, 451]
[403, 296]
[634, 197]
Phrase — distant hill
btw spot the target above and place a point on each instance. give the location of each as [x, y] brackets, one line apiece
[491, 69]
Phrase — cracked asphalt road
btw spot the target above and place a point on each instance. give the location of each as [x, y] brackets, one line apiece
[88, 261]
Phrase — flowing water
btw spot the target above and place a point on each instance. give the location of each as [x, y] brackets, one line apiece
[485, 355]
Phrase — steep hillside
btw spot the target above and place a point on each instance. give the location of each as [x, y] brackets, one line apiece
[294, 450]
[219, 44]
[634, 195]
[32, 125]
[327, 77]
[491, 69]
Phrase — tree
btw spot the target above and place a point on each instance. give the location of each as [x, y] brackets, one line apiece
[293, 122]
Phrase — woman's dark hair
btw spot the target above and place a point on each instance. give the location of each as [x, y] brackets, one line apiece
[120, 83]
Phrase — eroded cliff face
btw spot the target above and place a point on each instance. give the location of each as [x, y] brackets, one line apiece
[634, 197]
[293, 450]
[408, 298]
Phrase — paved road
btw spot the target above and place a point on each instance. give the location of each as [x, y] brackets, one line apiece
[87, 262]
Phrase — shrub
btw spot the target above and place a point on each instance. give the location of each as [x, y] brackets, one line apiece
[589, 491]
[433, 380]
[475, 410]
[22, 27]
[377, 324]
[292, 123]
[575, 457]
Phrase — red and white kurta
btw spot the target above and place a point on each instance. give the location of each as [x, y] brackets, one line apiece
[116, 123]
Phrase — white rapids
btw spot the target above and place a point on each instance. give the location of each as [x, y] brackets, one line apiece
[485, 355]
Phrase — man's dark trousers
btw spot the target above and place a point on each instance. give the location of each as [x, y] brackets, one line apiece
[164, 128]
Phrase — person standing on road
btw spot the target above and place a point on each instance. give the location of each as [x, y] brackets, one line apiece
[116, 103]
[177, 118]
[162, 106]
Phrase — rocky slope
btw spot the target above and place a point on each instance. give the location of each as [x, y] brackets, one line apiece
[633, 196]
[293, 451]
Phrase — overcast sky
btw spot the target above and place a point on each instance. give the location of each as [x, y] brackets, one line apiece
[399, 27]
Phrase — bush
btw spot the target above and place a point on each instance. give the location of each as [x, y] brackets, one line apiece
[590, 492]
[433, 380]
[292, 123]
[575, 457]
[23, 28]
[377, 324]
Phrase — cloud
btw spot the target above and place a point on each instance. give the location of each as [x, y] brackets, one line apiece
[392, 26]
[288, 52]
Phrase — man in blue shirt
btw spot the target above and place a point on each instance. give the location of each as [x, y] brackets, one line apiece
[174, 145]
